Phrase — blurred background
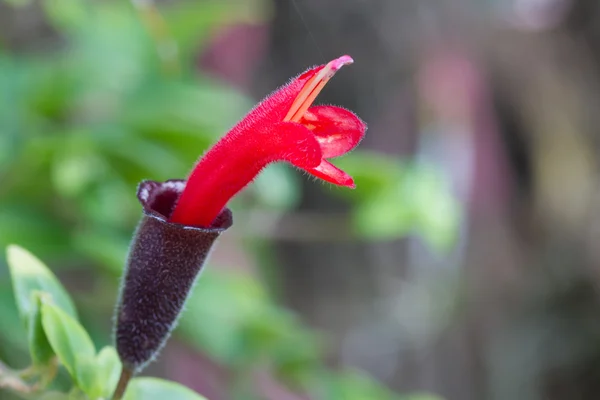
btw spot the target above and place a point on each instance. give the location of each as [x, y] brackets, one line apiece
[463, 266]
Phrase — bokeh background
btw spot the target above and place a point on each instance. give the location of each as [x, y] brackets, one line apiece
[464, 265]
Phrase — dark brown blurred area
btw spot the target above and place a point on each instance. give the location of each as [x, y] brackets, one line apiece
[519, 87]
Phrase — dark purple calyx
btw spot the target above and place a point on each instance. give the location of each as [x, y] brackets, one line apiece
[163, 264]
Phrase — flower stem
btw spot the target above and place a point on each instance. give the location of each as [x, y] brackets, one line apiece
[126, 375]
[11, 380]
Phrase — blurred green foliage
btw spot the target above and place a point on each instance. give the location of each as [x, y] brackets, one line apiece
[398, 198]
[112, 99]
[53, 330]
[82, 124]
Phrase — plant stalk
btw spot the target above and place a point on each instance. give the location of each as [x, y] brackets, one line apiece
[11, 380]
[126, 375]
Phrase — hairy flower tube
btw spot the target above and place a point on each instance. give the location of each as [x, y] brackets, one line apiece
[183, 219]
[283, 127]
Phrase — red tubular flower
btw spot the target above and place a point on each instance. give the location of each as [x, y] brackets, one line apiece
[182, 220]
[283, 127]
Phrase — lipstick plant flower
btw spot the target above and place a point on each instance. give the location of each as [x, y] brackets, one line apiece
[183, 219]
[283, 127]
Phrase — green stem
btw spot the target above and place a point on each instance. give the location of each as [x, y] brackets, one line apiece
[126, 375]
[10, 379]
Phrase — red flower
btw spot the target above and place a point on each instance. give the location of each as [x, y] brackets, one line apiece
[283, 127]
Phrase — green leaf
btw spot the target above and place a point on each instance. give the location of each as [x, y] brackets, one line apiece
[158, 389]
[18, 3]
[277, 335]
[39, 347]
[54, 396]
[277, 187]
[106, 247]
[421, 396]
[13, 335]
[173, 107]
[394, 199]
[151, 157]
[87, 378]
[29, 274]
[372, 172]
[193, 23]
[71, 343]
[27, 223]
[219, 331]
[74, 170]
[113, 51]
[66, 14]
[437, 213]
[354, 385]
[387, 215]
[108, 368]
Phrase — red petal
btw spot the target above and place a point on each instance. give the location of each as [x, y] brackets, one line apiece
[332, 174]
[337, 129]
[235, 161]
[297, 145]
[276, 105]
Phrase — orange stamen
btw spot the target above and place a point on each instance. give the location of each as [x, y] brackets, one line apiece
[313, 87]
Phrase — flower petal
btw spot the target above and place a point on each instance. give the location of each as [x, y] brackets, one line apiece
[332, 174]
[336, 129]
[235, 161]
[294, 144]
